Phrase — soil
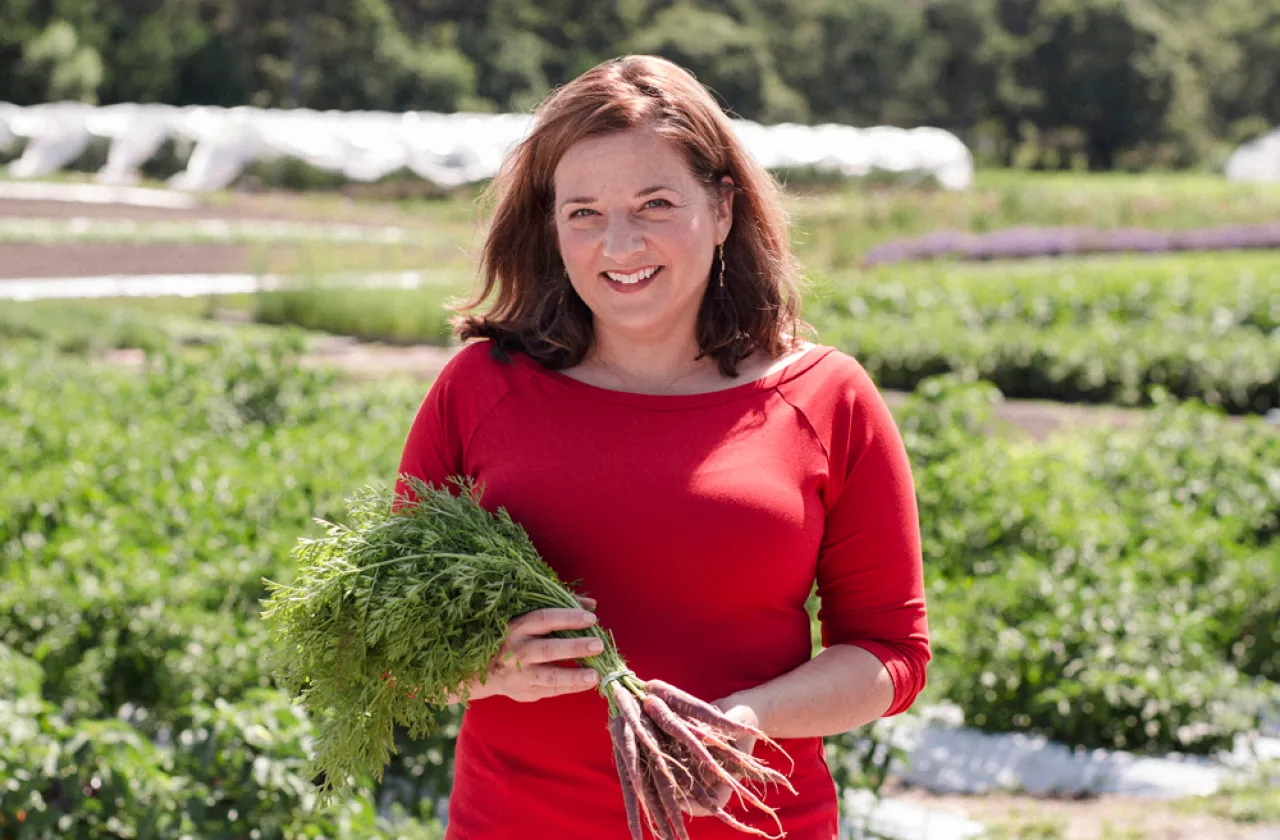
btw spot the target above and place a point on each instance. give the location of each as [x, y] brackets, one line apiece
[1097, 818]
[93, 259]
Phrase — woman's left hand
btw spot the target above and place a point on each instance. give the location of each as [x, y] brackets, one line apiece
[746, 743]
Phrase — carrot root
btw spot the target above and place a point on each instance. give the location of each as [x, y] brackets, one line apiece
[666, 719]
[617, 728]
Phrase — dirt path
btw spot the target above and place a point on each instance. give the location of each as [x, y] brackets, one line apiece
[1009, 816]
[279, 206]
[92, 259]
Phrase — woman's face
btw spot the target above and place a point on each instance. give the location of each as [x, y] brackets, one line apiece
[637, 234]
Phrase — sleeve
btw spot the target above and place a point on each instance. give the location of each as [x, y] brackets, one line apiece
[434, 448]
[870, 571]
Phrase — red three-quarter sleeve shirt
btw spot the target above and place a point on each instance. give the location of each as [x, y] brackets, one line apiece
[700, 523]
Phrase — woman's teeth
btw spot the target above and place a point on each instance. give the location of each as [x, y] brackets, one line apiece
[628, 279]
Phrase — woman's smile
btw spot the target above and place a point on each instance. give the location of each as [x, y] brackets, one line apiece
[631, 282]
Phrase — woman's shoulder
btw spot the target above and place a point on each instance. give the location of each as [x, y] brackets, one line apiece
[478, 376]
[479, 360]
[827, 371]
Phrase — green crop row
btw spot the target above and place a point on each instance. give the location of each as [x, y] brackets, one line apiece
[409, 315]
[1086, 330]
[226, 770]
[1103, 331]
[143, 511]
[1108, 589]
[1203, 294]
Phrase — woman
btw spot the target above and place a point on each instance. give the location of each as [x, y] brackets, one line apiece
[640, 402]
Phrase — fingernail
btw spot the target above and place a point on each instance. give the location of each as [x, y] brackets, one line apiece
[589, 618]
[591, 676]
[595, 646]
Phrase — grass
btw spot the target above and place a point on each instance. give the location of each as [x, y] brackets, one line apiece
[96, 326]
[398, 315]
[1255, 801]
[1019, 827]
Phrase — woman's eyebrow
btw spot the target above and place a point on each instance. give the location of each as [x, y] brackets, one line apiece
[587, 199]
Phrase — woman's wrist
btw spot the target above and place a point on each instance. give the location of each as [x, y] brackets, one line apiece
[476, 691]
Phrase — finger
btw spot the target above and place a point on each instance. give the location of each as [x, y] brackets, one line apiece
[587, 603]
[542, 622]
[559, 680]
[544, 649]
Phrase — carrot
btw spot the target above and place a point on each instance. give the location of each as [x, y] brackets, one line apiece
[653, 804]
[684, 703]
[617, 730]
[667, 720]
[642, 727]
[668, 796]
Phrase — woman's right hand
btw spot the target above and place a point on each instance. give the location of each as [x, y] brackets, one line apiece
[522, 669]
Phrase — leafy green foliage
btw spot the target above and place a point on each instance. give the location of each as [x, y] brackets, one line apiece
[1095, 331]
[143, 511]
[387, 314]
[1106, 589]
[422, 593]
[229, 770]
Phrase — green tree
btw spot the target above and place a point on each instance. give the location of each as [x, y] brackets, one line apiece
[61, 66]
[730, 58]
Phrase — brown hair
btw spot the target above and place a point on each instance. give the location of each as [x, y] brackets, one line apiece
[536, 309]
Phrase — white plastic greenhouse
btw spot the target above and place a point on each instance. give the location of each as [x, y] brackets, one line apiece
[1257, 161]
[446, 149]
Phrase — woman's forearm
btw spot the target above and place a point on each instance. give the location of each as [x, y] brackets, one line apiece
[842, 688]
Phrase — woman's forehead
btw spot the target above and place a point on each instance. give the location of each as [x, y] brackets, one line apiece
[623, 162]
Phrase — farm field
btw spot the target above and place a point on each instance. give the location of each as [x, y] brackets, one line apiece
[1102, 542]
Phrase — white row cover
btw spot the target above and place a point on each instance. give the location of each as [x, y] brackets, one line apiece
[446, 149]
[1257, 161]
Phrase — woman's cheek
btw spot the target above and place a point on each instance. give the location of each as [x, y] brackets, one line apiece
[578, 244]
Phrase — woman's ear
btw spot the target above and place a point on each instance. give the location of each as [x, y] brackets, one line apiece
[724, 208]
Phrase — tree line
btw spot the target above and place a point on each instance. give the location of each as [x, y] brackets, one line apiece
[1039, 83]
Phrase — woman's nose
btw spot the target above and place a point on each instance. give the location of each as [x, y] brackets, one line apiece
[622, 240]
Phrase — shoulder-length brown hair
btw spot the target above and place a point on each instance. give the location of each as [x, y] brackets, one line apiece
[536, 310]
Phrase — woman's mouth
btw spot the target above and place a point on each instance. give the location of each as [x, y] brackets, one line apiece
[632, 281]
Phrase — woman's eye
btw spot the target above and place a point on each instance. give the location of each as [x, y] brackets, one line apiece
[580, 212]
[658, 202]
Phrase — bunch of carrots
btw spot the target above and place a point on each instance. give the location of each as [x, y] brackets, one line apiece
[672, 748]
[403, 608]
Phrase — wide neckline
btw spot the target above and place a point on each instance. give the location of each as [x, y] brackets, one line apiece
[672, 402]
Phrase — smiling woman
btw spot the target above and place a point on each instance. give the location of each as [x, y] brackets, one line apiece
[641, 402]
[632, 167]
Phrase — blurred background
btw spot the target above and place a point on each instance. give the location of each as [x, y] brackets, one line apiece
[1049, 229]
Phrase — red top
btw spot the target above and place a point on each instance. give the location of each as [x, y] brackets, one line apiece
[700, 523]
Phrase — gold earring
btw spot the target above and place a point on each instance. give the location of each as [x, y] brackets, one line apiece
[720, 247]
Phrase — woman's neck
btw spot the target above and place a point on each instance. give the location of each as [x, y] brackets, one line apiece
[649, 367]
